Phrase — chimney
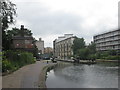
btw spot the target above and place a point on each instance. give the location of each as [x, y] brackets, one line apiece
[39, 39]
[22, 27]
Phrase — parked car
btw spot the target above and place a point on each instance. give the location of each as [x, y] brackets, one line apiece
[38, 59]
[46, 58]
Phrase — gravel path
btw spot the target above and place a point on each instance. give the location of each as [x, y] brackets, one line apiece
[25, 77]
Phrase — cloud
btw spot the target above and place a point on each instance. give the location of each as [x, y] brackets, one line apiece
[51, 18]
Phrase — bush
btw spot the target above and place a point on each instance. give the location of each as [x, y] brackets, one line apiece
[15, 59]
[113, 58]
[92, 56]
[6, 65]
[83, 53]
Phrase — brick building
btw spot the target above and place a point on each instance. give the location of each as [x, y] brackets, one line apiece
[22, 41]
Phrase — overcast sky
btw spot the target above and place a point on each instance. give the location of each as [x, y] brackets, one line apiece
[48, 19]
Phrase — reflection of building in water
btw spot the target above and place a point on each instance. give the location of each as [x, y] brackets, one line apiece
[63, 46]
[65, 71]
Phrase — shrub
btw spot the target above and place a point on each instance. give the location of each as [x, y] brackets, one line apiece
[6, 65]
[13, 60]
[113, 58]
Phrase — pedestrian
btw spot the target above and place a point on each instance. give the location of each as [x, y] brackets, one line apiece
[47, 61]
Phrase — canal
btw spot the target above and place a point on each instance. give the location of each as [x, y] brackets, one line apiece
[101, 75]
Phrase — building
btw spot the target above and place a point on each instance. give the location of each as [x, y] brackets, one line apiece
[48, 50]
[22, 41]
[48, 53]
[40, 46]
[63, 46]
[108, 41]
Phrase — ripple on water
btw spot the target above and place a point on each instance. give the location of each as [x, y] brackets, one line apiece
[83, 76]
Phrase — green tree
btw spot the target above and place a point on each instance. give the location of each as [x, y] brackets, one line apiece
[8, 11]
[92, 48]
[78, 44]
[112, 52]
[83, 53]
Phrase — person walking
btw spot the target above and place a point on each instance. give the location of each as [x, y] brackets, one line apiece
[47, 61]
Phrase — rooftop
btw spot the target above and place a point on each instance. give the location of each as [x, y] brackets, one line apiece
[64, 37]
[105, 32]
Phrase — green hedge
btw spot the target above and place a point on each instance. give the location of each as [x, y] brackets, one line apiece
[113, 58]
[12, 60]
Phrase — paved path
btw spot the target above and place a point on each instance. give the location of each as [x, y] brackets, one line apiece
[25, 77]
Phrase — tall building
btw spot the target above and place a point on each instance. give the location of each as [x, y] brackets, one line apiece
[40, 46]
[63, 46]
[108, 41]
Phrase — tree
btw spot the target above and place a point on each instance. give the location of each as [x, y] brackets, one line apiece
[16, 31]
[92, 48]
[8, 11]
[78, 44]
[83, 53]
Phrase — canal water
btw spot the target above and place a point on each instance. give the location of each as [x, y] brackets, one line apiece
[101, 75]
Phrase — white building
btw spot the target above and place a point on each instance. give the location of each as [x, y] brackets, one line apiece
[40, 46]
[108, 41]
[63, 46]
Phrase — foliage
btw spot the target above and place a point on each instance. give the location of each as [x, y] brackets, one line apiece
[13, 32]
[108, 55]
[15, 59]
[89, 52]
[78, 43]
[6, 65]
[112, 52]
[8, 11]
[92, 48]
[83, 53]
[112, 58]
[92, 56]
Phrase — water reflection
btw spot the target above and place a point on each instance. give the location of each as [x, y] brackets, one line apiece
[83, 76]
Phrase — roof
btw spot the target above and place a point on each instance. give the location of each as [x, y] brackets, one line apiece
[22, 38]
[66, 36]
[107, 32]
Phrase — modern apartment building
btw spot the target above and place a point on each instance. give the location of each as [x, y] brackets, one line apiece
[40, 46]
[63, 46]
[108, 40]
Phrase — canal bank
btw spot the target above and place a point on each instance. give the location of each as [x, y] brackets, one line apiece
[42, 79]
[27, 76]
[48, 68]
[88, 61]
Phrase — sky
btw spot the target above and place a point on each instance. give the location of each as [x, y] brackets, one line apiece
[49, 19]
